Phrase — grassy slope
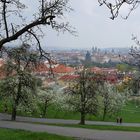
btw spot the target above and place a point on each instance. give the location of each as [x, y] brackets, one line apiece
[129, 113]
[7, 134]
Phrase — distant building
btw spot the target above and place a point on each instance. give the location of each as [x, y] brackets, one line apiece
[88, 57]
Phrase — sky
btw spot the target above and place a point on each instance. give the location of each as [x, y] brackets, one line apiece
[93, 26]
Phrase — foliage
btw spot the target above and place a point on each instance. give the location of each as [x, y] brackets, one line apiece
[135, 84]
[124, 86]
[9, 86]
[45, 99]
[111, 100]
[83, 95]
[124, 67]
[19, 85]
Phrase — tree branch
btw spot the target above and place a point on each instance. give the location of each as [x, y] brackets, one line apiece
[4, 18]
[25, 29]
[115, 6]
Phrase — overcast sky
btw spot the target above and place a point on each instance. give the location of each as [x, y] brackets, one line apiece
[94, 27]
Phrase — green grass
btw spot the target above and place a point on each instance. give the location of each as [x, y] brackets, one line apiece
[130, 113]
[8, 134]
[53, 112]
[59, 114]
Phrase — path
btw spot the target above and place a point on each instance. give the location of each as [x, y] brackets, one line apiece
[62, 121]
[67, 131]
[72, 132]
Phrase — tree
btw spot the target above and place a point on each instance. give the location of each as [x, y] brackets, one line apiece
[19, 85]
[135, 84]
[46, 97]
[49, 13]
[133, 61]
[83, 97]
[123, 67]
[111, 100]
[115, 6]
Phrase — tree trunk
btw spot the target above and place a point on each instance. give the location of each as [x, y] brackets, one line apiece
[44, 110]
[82, 121]
[16, 102]
[14, 112]
[104, 113]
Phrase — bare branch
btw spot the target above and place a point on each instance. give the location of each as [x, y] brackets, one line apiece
[4, 18]
[24, 29]
[48, 14]
[115, 6]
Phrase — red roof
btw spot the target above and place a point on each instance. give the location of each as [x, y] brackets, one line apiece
[41, 68]
[95, 69]
[109, 70]
[63, 69]
[69, 77]
[103, 70]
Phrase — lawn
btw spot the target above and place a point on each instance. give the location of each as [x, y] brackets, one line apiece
[130, 113]
[8, 134]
